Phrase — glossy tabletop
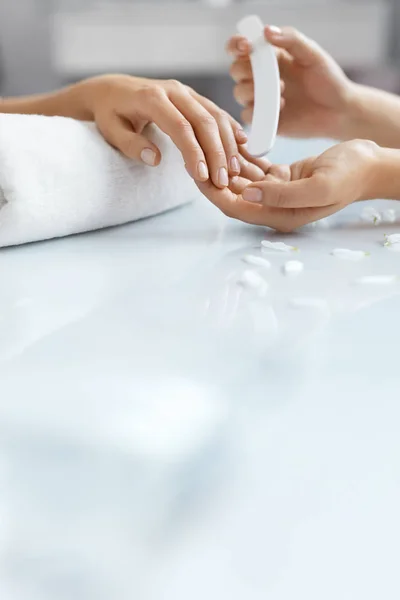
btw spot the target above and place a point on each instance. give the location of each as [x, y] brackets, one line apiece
[167, 433]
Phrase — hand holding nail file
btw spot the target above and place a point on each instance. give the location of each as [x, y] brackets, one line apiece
[267, 87]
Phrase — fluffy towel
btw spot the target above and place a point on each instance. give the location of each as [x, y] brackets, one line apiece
[58, 177]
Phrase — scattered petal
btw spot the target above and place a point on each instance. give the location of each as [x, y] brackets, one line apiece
[279, 246]
[394, 247]
[252, 280]
[257, 261]
[389, 215]
[293, 267]
[394, 238]
[346, 254]
[371, 215]
[377, 279]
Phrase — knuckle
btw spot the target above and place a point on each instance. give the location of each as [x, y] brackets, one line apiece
[152, 93]
[208, 121]
[176, 85]
[184, 126]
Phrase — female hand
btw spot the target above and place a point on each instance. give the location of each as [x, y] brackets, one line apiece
[316, 92]
[290, 197]
[207, 136]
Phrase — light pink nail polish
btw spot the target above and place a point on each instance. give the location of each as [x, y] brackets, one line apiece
[252, 195]
[275, 30]
[223, 178]
[149, 157]
[235, 167]
[202, 171]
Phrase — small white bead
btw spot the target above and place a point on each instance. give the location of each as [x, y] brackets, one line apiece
[293, 267]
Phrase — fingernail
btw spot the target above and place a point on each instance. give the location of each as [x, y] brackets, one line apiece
[235, 167]
[223, 178]
[202, 171]
[243, 46]
[241, 135]
[149, 157]
[252, 195]
[276, 31]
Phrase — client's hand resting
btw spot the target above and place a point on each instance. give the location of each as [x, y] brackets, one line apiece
[292, 196]
[207, 136]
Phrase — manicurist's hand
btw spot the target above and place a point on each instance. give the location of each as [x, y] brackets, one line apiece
[316, 92]
[290, 197]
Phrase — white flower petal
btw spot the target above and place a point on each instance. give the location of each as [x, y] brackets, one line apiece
[278, 246]
[293, 267]
[253, 280]
[394, 247]
[257, 261]
[371, 215]
[346, 254]
[394, 238]
[377, 279]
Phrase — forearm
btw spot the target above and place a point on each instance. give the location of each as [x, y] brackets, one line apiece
[68, 102]
[374, 115]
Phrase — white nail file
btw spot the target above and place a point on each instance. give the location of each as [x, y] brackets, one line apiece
[267, 87]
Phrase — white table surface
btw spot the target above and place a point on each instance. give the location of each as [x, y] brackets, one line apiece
[165, 435]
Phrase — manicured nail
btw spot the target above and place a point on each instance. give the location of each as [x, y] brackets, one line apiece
[252, 195]
[202, 171]
[243, 46]
[235, 167]
[276, 31]
[149, 157]
[223, 178]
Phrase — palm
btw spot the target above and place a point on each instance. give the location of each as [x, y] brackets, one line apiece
[313, 98]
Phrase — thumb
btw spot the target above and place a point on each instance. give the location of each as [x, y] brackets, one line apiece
[304, 50]
[119, 133]
[303, 193]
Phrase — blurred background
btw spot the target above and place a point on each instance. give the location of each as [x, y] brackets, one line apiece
[47, 43]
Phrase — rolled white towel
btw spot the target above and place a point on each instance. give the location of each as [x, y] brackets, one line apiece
[59, 177]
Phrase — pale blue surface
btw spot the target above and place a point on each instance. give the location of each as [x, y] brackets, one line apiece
[166, 436]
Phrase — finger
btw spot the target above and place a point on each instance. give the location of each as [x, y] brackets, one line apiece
[159, 109]
[304, 193]
[247, 115]
[244, 93]
[241, 70]
[279, 173]
[250, 170]
[119, 133]
[262, 162]
[238, 46]
[230, 132]
[238, 184]
[304, 50]
[232, 205]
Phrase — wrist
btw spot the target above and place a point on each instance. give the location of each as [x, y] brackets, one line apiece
[352, 117]
[385, 175]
